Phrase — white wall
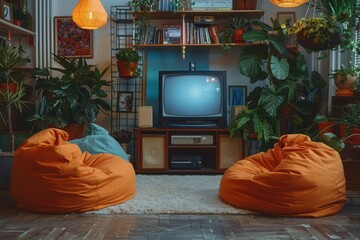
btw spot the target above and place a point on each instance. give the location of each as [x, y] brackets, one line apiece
[218, 60]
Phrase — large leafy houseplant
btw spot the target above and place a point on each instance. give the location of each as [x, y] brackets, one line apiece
[284, 72]
[75, 97]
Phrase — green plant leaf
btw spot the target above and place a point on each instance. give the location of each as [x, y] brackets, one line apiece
[279, 68]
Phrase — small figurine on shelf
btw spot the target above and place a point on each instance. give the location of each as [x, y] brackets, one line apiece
[123, 137]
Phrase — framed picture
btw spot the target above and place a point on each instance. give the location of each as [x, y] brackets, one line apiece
[124, 101]
[171, 34]
[288, 19]
[72, 41]
[237, 95]
[7, 12]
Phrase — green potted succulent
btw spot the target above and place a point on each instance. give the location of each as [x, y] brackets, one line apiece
[71, 99]
[127, 62]
[317, 33]
[233, 31]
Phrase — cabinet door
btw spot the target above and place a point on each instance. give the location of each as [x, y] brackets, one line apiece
[230, 150]
[153, 152]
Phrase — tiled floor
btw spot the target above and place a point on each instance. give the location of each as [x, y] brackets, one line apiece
[18, 224]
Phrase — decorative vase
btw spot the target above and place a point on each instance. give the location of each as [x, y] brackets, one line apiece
[345, 82]
[124, 146]
[126, 69]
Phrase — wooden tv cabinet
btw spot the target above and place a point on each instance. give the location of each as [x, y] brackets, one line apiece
[180, 150]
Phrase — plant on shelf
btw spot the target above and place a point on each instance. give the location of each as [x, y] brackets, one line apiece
[12, 89]
[233, 31]
[317, 33]
[345, 77]
[75, 97]
[127, 62]
[141, 5]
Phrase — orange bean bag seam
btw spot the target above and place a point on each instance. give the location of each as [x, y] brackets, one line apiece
[297, 177]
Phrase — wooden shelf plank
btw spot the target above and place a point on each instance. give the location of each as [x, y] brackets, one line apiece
[7, 27]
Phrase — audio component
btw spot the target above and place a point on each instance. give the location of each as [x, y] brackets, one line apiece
[203, 20]
[192, 139]
[185, 162]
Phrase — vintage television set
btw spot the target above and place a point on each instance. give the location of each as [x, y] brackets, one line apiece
[192, 99]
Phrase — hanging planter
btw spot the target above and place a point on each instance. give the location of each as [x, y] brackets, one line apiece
[318, 33]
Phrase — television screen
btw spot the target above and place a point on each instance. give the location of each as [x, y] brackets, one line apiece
[192, 95]
[192, 98]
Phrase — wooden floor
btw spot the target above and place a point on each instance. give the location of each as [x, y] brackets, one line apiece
[18, 224]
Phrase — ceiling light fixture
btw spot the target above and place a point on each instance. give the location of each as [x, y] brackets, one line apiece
[89, 14]
[288, 3]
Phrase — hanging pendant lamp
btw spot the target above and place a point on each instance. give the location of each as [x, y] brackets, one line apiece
[89, 14]
[288, 3]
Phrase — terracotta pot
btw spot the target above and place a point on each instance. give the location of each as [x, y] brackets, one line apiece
[126, 69]
[345, 82]
[12, 87]
[353, 139]
[238, 35]
[244, 4]
[326, 127]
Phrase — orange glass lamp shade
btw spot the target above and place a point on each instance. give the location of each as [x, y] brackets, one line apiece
[89, 14]
[288, 3]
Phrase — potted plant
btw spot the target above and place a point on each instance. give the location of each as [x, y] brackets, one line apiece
[317, 33]
[141, 5]
[346, 13]
[345, 77]
[72, 99]
[123, 137]
[12, 92]
[234, 29]
[12, 87]
[287, 79]
[127, 61]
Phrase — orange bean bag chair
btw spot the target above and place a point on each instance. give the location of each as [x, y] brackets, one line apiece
[51, 175]
[297, 177]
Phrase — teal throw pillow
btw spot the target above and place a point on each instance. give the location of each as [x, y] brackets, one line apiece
[98, 140]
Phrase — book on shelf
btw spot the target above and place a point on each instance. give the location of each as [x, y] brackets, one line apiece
[171, 34]
[201, 34]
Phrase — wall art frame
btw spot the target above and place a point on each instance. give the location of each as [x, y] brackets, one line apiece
[125, 101]
[72, 41]
[237, 95]
[7, 11]
[288, 19]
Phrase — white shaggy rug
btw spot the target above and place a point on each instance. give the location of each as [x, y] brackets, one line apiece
[175, 194]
